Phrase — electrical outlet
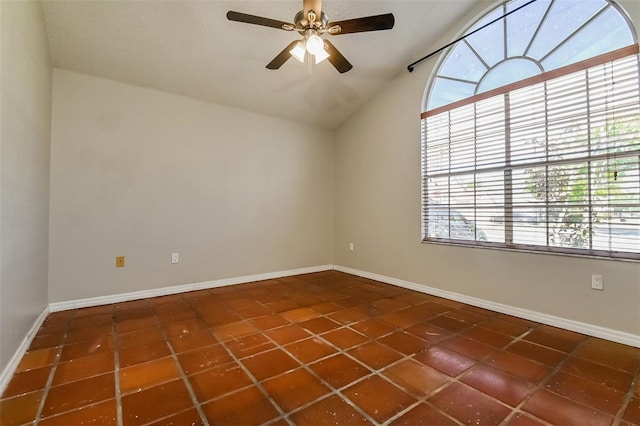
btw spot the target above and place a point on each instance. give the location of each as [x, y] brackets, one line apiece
[597, 282]
[120, 262]
[351, 247]
[175, 257]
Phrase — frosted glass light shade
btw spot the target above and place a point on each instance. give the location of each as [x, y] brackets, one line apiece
[321, 56]
[315, 45]
[298, 51]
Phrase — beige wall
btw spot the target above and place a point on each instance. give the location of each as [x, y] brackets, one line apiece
[378, 209]
[25, 119]
[142, 173]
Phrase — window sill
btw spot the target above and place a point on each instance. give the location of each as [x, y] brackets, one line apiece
[616, 256]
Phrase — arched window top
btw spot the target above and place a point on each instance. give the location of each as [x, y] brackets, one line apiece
[545, 35]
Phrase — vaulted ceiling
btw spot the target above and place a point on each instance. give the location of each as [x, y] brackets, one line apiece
[190, 48]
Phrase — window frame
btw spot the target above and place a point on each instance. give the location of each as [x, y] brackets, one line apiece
[538, 249]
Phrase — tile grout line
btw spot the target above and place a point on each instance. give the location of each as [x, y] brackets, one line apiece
[195, 401]
[373, 371]
[451, 379]
[284, 415]
[332, 389]
[627, 399]
[404, 357]
[513, 410]
[52, 373]
[517, 409]
[377, 372]
[183, 375]
[116, 371]
[255, 381]
[425, 399]
[541, 386]
[456, 379]
[305, 366]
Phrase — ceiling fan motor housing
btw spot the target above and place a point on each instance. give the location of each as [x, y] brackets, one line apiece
[303, 23]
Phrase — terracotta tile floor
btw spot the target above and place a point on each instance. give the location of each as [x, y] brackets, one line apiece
[324, 348]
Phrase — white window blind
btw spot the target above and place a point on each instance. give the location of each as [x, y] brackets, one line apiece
[551, 163]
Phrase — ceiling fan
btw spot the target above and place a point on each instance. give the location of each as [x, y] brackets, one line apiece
[312, 23]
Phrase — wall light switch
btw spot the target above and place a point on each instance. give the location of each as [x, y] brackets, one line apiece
[120, 262]
[350, 246]
[175, 257]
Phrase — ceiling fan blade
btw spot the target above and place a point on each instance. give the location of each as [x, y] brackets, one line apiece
[258, 20]
[336, 58]
[315, 5]
[368, 23]
[282, 57]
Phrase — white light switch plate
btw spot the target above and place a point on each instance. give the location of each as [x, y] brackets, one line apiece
[597, 282]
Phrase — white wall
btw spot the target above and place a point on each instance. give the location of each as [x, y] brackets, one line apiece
[25, 120]
[378, 209]
[142, 173]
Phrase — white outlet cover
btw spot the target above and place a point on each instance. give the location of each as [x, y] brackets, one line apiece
[175, 257]
[597, 282]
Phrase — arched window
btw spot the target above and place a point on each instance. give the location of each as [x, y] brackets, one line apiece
[531, 134]
[542, 36]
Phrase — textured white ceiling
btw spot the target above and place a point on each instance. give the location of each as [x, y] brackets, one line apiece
[189, 48]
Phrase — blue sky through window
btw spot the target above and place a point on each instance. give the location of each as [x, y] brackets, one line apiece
[540, 37]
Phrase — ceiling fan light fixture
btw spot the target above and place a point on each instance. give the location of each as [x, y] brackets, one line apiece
[298, 51]
[312, 23]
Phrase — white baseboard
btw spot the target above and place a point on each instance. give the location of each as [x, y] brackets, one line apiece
[10, 368]
[164, 291]
[567, 324]
[580, 327]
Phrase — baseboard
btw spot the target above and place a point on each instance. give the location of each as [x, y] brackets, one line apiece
[10, 368]
[567, 324]
[165, 291]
